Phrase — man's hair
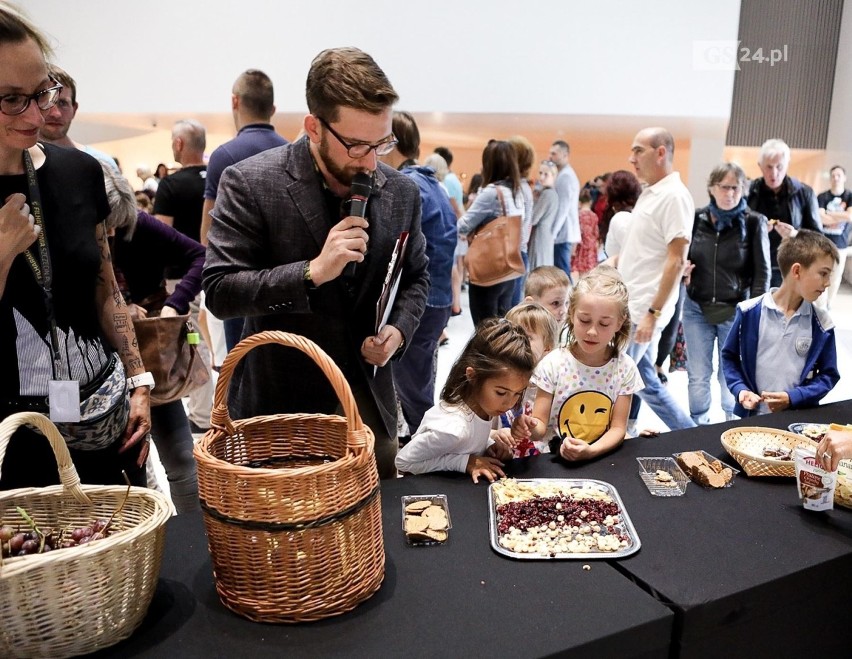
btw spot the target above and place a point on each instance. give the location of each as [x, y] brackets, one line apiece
[61, 76]
[256, 94]
[347, 77]
[543, 278]
[407, 134]
[192, 132]
[14, 28]
[720, 172]
[804, 248]
[562, 144]
[524, 153]
[658, 137]
[446, 154]
[774, 147]
[840, 167]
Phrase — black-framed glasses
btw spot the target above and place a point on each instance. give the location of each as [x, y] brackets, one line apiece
[14, 104]
[361, 149]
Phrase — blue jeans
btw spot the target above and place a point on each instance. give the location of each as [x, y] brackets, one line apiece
[520, 281]
[173, 438]
[700, 336]
[654, 393]
[233, 331]
[562, 257]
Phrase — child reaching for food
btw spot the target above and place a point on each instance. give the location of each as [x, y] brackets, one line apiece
[488, 378]
[543, 331]
[585, 387]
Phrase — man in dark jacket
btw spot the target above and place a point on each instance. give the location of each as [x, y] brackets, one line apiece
[788, 203]
[278, 253]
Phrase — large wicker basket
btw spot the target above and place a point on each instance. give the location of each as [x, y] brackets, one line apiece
[77, 600]
[291, 503]
[746, 445]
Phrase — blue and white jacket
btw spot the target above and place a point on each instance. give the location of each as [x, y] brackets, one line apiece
[739, 358]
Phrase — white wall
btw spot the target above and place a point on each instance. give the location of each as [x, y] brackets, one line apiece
[552, 56]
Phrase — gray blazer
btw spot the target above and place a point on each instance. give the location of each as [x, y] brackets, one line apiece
[269, 218]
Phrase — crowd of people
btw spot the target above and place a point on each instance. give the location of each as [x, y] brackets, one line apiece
[271, 235]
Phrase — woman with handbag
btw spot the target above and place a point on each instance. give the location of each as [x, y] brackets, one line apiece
[728, 263]
[499, 198]
[142, 248]
[66, 346]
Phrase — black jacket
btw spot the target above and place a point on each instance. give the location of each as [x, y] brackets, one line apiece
[729, 268]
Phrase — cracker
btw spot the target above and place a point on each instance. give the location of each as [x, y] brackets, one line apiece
[437, 523]
[418, 506]
[435, 534]
[414, 523]
[434, 511]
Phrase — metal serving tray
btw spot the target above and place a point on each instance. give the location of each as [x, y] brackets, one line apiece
[625, 527]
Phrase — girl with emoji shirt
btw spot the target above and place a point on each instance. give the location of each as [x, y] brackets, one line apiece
[585, 387]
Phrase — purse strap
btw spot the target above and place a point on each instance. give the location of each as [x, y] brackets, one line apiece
[499, 189]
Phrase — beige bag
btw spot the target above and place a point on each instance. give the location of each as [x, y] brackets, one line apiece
[494, 251]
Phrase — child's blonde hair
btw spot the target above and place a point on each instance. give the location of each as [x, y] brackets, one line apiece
[543, 278]
[535, 319]
[604, 281]
[496, 346]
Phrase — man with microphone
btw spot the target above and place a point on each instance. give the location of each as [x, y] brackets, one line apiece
[295, 246]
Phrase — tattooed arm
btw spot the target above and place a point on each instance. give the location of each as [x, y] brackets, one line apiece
[118, 328]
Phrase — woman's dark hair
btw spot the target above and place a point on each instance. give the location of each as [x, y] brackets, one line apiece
[496, 346]
[622, 191]
[500, 164]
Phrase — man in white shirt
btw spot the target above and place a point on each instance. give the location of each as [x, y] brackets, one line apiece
[652, 263]
[567, 227]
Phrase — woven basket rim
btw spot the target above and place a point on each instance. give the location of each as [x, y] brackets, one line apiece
[730, 447]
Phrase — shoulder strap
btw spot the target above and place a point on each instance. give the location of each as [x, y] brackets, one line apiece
[500, 196]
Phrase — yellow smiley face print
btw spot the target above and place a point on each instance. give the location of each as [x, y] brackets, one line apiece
[585, 415]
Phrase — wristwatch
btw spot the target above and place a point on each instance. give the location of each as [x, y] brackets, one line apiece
[656, 313]
[306, 276]
[145, 379]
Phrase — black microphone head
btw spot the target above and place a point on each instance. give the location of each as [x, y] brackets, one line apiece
[362, 185]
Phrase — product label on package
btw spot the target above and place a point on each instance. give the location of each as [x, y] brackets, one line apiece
[815, 484]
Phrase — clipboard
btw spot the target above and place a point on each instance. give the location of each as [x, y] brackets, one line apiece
[391, 284]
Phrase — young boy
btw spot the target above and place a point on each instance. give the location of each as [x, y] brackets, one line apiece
[549, 286]
[780, 352]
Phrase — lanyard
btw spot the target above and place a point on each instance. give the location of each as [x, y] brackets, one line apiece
[41, 268]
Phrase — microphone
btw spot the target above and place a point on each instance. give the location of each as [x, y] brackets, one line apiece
[359, 193]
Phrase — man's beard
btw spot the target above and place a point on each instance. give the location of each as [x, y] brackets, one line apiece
[343, 175]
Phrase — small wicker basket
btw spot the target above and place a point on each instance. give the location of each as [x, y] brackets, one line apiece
[75, 601]
[746, 445]
[291, 503]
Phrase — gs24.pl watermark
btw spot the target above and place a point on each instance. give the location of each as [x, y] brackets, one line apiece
[724, 55]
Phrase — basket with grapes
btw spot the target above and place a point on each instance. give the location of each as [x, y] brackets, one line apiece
[78, 563]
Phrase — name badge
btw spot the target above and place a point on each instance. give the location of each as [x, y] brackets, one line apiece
[64, 398]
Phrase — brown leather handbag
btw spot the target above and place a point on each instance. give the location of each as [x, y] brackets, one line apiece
[494, 251]
[175, 362]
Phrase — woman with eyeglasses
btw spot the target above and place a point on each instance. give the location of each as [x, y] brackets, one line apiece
[67, 347]
[500, 195]
[728, 263]
[545, 211]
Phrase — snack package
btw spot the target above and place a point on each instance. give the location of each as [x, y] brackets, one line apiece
[815, 484]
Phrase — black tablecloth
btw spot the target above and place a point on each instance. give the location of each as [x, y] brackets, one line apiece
[460, 599]
[745, 570]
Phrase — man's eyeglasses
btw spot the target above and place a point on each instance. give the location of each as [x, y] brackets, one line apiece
[14, 104]
[361, 149]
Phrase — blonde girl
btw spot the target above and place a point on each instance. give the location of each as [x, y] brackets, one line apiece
[488, 378]
[585, 387]
[543, 331]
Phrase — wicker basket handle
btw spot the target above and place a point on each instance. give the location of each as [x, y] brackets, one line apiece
[356, 434]
[67, 472]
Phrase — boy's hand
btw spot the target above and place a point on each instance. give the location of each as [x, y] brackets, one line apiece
[480, 465]
[504, 444]
[749, 399]
[573, 449]
[522, 427]
[776, 400]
